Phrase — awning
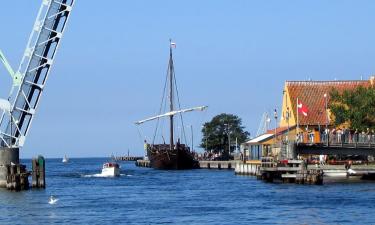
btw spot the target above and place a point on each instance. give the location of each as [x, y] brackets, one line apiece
[259, 139]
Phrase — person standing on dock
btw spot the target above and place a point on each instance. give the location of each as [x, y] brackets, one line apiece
[326, 135]
[356, 136]
[368, 134]
[145, 146]
[339, 135]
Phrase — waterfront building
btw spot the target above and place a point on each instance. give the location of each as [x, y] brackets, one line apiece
[315, 96]
[306, 122]
[263, 145]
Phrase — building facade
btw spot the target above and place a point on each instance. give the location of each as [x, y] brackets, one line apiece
[305, 121]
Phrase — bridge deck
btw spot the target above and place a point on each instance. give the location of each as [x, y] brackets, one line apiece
[364, 149]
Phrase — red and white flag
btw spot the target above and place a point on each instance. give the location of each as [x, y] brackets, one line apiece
[173, 45]
[302, 108]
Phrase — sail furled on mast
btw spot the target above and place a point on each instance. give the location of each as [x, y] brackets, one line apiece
[200, 108]
[170, 106]
[173, 155]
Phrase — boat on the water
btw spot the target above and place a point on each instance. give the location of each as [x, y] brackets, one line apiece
[175, 155]
[65, 159]
[110, 169]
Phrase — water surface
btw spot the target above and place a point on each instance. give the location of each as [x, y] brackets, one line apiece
[147, 196]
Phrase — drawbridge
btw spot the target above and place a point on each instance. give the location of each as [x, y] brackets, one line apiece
[30, 79]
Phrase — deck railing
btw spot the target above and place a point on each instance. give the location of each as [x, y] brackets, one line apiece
[344, 140]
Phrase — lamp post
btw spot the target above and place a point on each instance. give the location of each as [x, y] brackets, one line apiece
[228, 141]
[326, 108]
[275, 116]
[287, 120]
[206, 138]
[286, 114]
[204, 129]
[236, 145]
[325, 103]
[228, 133]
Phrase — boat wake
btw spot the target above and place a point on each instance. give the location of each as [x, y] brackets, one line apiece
[104, 175]
[97, 175]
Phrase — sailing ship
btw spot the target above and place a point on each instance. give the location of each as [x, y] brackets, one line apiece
[175, 155]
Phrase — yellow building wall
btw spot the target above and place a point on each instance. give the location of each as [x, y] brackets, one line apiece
[291, 136]
[287, 103]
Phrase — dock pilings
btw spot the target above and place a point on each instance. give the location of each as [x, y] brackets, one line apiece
[143, 163]
[38, 172]
[127, 158]
[286, 171]
[17, 178]
[14, 176]
[250, 168]
[226, 165]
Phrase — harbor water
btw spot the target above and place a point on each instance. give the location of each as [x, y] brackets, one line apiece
[147, 196]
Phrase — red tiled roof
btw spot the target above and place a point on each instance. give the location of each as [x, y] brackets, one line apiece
[279, 130]
[311, 94]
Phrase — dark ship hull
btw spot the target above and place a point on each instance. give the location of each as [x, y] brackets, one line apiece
[180, 158]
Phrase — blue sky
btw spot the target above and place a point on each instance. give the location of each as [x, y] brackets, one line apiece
[233, 56]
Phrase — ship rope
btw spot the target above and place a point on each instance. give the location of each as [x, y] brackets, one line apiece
[179, 106]
[163, 103]
[159, 129]
[140, 135]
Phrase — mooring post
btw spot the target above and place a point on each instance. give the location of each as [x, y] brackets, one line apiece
[8, 157]
[38, 177]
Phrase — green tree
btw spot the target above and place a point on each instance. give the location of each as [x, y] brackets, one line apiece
[354, 107]
[215, 133]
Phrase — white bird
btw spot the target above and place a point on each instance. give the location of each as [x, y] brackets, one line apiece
[52, 200]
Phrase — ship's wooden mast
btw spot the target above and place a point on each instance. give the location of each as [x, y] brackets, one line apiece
[171, 73]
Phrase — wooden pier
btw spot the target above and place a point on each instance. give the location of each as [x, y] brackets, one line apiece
[127, 158]
[286, 171]
[289, 171]
[363, 149]
[218, 164]
[39, 172]
[296, 171]
[228, 165]
[251, 168]
[143, 163]
[17, 177]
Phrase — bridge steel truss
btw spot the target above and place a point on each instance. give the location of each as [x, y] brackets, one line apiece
[34, 69]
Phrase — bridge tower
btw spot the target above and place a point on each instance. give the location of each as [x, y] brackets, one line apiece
[30, 79]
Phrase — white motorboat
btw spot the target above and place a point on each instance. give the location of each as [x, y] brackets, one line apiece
[111, 169]
[65, 159]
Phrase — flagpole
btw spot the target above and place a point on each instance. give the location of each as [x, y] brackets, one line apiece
[297, 122]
